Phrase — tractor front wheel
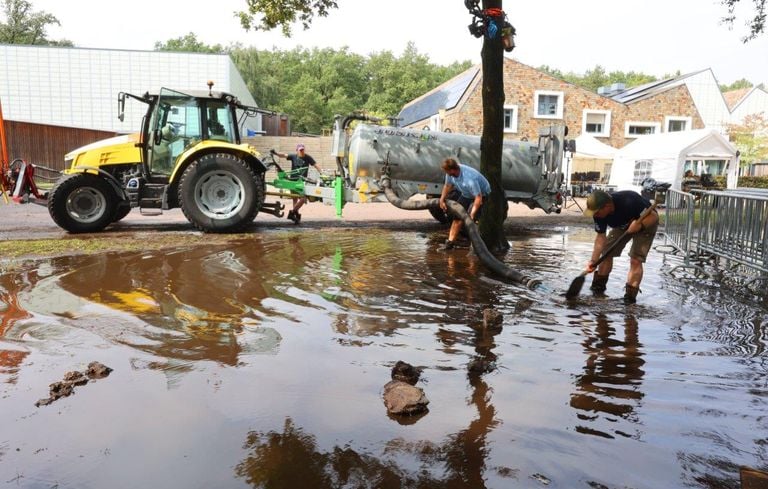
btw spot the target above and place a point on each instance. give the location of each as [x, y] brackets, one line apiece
[220, 193]
[82, 203]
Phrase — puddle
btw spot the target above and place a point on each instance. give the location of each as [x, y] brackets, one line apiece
[261, 364]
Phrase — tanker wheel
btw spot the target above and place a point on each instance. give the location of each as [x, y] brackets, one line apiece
[443, 218]
[82, 203]
[220, 193]
[440, 215]
[123, 209]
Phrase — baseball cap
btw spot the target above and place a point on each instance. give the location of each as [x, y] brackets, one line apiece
[299, 147]
[596, 201]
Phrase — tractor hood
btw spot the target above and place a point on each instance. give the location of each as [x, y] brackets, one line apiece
[110, 151]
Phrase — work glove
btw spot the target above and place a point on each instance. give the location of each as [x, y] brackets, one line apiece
[272, 151]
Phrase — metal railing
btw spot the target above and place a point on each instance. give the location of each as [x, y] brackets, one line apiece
[729, 225]
[679, 220]
[734, 226]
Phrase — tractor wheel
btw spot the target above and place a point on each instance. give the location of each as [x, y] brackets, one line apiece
[123, 209]
[82, 203]
[220, 193]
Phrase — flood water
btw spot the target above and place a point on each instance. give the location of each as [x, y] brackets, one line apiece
[261, 364]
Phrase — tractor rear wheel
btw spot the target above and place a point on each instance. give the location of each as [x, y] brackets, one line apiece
[82, 203]
[220, 193]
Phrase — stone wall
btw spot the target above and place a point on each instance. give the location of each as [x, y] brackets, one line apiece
[318, 147]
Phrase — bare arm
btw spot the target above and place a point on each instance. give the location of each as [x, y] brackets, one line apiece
[640, 224]
[446, 190]
[597, 250]
[476, 206]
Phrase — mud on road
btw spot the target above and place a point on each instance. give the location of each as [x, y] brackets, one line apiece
[27, 230]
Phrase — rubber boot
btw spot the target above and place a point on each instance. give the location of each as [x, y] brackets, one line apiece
[599, 283]
[630, 294]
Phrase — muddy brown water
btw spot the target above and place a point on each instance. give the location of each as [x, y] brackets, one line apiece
[261, 364]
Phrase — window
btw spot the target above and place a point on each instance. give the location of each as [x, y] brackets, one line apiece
[642, 171]
[510, 118]
[596, 123]
[434, 123]
[635, 129]
[676, 124]
[548, 105]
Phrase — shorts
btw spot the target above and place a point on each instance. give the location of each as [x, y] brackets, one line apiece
[466, 203]
[641, 242]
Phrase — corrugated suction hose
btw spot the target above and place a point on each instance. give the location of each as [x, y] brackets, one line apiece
[486, 257]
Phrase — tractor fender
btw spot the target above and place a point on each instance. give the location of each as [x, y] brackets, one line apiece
[244, 151]
[113, 182]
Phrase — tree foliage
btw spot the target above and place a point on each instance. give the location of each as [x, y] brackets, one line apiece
[24, 26]
[313, 85]
[269, 14]
[190, 44]
[755, 24]
[597, 77]
[751, 138]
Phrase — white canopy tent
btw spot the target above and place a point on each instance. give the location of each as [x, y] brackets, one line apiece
[663, 156]
[589, 147]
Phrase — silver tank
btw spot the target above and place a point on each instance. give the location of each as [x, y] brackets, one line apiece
[415, 156]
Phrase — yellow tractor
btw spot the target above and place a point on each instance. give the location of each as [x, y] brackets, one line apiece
[188, 154]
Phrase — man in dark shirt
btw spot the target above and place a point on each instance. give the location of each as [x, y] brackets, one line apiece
[300, 162]
[620, 211]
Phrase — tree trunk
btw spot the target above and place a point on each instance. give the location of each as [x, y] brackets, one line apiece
[491, 143]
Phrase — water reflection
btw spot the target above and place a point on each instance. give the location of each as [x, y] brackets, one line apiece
[291, 458]
[609, 388]
[10, 313]
[285, 339]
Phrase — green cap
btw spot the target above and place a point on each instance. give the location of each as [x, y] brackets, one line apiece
[596, 201]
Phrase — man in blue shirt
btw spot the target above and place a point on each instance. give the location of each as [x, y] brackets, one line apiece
[620, 211]
[473, 189]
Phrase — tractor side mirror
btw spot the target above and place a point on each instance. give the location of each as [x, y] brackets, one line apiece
[121, 106]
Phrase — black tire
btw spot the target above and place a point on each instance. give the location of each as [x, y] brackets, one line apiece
[82, 203]
[220, 193]
[443, 218]
[122, 209]
[440, 215]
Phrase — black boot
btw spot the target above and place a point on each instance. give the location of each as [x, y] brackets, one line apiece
[599, 283]
[630, 294]
[290, 215]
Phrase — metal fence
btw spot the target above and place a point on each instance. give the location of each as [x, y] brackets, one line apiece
[734, 226]
[728, 225]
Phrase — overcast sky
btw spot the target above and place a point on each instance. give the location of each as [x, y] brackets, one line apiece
[655, 36]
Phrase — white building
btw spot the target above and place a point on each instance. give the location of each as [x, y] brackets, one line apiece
[78, 87]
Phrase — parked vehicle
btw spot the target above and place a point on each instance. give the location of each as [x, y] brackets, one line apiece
[188, 154]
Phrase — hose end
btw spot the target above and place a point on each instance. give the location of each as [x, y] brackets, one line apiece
[532, 283]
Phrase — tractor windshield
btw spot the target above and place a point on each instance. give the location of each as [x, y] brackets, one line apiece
[219, 122]
[176, 125]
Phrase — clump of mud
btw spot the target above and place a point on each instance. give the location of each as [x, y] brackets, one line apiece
[66, 387]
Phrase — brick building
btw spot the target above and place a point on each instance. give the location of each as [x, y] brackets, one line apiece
[534, 99]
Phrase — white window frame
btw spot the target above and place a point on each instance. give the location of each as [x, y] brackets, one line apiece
[688, 122]
[435, 123]
[516, 112]
[606, 132]
[560, 103]
[656, 125]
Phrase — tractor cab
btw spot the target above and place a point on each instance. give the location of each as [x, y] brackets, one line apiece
[180, 121]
